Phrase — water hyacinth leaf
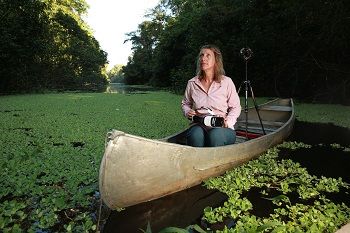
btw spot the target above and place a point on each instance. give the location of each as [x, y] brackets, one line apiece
[89, 225]
[173, 230]
[267, 226]
[280, 229]
[148, 229]
[196, 228]
[238, 181]
[69, 227]
[59, 202]
[277, 198]
[259, 165]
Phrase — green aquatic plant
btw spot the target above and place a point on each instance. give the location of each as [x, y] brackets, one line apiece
[323, 113]
[286, 179]
[52, 145]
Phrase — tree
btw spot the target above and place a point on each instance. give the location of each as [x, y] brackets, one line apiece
[116, 75]
[23, 35]
[301, 48]
[139, 68]
[46, 44]
[78, 58]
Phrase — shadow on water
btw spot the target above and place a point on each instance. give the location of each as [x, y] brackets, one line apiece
[313, 133]
[322, 159]
[184, 208]
[179, 209]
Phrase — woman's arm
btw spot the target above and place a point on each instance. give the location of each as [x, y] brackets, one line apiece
[187, 103]
[234, 105]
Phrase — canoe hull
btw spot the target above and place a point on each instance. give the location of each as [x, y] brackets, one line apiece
[136, 169]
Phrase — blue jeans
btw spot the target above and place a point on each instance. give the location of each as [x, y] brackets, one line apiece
[197, 136]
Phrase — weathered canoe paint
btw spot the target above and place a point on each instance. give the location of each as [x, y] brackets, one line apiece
[136, 169]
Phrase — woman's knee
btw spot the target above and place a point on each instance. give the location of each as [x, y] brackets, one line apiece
[196, 136]
[221, 137]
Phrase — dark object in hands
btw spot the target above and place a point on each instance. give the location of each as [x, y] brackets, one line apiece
[212, 121]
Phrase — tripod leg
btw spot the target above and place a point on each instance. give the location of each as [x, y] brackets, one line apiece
[245, 96]
[256, 107]
[246, 110]
[240, 86]
[245, 107]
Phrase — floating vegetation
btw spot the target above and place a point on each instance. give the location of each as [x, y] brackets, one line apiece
[52, 145]
[299, 200]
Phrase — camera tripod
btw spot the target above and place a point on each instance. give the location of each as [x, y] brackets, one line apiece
[246, 53]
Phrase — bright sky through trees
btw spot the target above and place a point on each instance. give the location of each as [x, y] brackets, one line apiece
[111, 19]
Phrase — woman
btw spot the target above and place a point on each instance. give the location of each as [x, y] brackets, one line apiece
[211, 93]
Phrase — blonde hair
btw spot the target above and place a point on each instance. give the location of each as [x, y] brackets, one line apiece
[219, 65]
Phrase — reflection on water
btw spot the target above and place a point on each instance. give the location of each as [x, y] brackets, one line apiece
[120, 88]
[178, 210]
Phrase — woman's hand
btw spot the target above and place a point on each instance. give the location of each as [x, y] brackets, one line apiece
[225, 125]
[191, 114]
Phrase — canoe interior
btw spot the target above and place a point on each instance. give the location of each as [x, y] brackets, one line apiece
[273, 114]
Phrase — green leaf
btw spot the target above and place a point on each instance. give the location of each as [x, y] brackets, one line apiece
[173, 230]
[70, 226]
[277, 198]
[16, 229]
[279, 229]
[198, 228]
[60, 203]
[268, 225]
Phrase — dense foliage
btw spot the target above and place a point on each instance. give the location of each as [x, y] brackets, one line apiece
[115, 75]
[301, 48]
[46, 45]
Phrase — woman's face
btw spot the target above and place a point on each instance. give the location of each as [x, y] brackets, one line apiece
[207, 59]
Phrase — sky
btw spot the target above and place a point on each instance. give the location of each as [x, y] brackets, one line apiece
[110, 20]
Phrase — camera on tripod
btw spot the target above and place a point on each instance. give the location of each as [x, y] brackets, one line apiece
[246, 53]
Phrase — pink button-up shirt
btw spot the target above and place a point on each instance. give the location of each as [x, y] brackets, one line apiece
[221, 97]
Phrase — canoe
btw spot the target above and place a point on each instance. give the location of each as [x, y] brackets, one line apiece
[136, 169]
